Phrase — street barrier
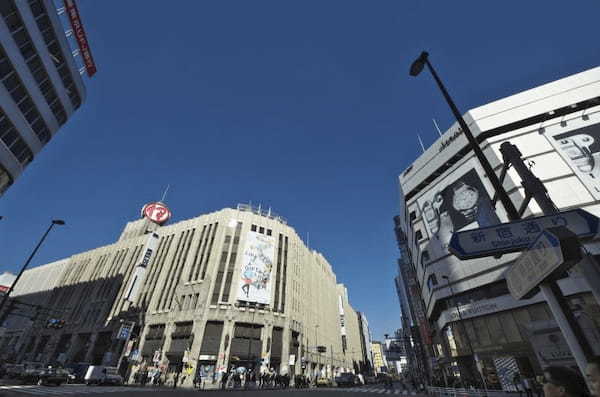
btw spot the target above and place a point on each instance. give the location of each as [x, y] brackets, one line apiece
[452, 392]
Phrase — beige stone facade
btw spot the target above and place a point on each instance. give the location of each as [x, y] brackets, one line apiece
[188, 313]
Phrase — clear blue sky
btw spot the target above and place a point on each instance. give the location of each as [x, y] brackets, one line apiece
[305, 106]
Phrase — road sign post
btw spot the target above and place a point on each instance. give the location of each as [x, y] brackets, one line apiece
[553, 252]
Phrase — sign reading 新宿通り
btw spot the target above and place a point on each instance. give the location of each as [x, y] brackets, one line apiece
[518, 235]
[257, 267]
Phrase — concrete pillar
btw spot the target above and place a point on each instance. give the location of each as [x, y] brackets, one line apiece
[227, 336]
[285, 349]
[92, 343]
[266, 335]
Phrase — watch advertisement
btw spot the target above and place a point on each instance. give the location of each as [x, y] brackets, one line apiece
[452, 208]
[580, 148]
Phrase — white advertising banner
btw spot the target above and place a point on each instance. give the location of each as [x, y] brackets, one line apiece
[342, 317]
[580, 148]
[137, 277]
[257, 268]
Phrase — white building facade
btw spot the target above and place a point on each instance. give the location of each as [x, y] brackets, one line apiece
[557, 129]
[40, 84]
[232, 288]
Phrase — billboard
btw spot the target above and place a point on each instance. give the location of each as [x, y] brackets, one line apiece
[454, 206]
[256, 269]
[580, 148]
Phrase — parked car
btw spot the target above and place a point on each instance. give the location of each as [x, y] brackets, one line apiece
[324, 382]
[45, 376]
[101, 375]
[77, 372]
[347, 379]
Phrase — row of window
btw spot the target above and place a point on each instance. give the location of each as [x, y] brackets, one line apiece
[13, 141]
[203, 250]
[17, 91]
[261, 230]
[28, 51]
[45, 26]
[226, 266]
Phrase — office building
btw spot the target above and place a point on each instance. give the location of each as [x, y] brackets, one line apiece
[556, 127]
[232, 288]
[40, 84]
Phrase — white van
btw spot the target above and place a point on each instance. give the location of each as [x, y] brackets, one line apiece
[101, 375]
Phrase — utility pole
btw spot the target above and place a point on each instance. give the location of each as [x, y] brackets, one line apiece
[563, 315]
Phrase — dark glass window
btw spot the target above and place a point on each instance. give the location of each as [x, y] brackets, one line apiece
[13, 141]
[261, 230]
[253, 228]
[418, 235]
[413, 215]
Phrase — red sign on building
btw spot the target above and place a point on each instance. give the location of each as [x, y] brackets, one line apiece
[88, 60]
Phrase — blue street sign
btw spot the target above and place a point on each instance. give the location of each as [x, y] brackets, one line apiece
[518, 235]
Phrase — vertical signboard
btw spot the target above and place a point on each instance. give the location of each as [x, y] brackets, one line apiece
[342, 322]
[137, 278]
[80, 36]
[580, 148]
[256, 269]
[453, 207]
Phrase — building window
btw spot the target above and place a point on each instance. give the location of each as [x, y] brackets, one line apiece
[182, 330]
[432, 281]
[253, 228]
[418, 235]
[413, 216]
[269, 232]
[16, 89]
[424, 256]
[155, 331]
[25, 44]
[261, 230]
[13, 141]
[39, 12]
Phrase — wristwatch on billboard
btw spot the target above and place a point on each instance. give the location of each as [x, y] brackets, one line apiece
[464, 200]
[431, 212]
[577, 149]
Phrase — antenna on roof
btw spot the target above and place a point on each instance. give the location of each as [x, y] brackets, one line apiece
[162, 200]
[421, 142]
[437, 127]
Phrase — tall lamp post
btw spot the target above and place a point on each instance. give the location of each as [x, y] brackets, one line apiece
[464, 329]
[415, 70]
[5, 297]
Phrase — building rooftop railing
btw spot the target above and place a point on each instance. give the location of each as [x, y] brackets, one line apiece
[268, 213]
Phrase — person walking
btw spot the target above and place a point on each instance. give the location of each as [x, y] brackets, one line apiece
[563, 382]
[224, 378]
[592, 373]
[528, 386]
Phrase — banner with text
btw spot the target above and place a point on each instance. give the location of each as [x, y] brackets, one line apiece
[256, 269]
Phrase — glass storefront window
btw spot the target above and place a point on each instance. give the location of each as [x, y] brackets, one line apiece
[451, 342]
[482, 332]
[495, 328]
[510, 328]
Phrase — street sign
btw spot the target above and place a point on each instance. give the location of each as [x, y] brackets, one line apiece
[124, 331]
[518, 235]
[551, 253]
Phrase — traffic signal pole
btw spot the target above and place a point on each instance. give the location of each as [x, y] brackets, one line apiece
[557, 302]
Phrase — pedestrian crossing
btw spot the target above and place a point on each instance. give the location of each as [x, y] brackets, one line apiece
[378, 389]
[71, 390]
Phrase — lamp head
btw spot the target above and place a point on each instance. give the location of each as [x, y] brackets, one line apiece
[58, 222]
[418, 65]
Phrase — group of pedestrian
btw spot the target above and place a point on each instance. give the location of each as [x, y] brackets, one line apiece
[236, 379]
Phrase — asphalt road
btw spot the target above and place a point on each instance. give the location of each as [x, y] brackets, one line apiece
[132, 391]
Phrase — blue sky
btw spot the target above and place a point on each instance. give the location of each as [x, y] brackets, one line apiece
[304, 106]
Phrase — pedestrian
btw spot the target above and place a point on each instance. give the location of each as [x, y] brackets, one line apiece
[224, 378]
[175, 379]
[528, 386]
[592, 373]
[518, 384]
[563, 382]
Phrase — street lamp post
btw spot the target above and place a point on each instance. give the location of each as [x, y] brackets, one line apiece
[5, 297]
[464, 330]
[415, 70]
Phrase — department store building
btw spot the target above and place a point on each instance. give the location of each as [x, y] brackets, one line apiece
[232, 288]
[556, 127]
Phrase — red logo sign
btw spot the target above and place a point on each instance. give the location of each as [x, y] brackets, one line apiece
[73, 13]
[156, 212]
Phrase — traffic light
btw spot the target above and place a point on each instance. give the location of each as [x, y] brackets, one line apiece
[55, 323]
